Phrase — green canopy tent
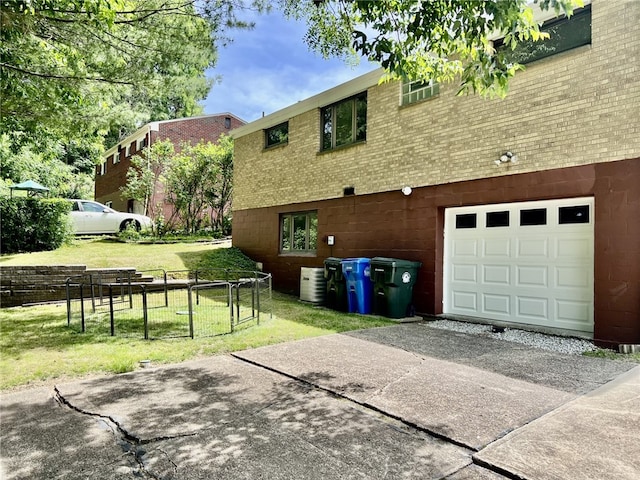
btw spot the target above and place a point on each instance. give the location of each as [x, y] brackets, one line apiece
[33, 188]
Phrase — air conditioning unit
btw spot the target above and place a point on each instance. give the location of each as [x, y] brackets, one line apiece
[313, 286]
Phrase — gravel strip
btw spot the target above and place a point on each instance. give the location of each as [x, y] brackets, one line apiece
[554, 343]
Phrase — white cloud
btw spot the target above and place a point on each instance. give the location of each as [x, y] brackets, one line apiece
[270, 68]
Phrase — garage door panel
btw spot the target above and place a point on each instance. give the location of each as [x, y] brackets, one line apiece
[496, 304]
[496, 274]
[572, 311]
[532, 307]
[573, 276]
[532, 276]
[533, 248]
[532, 268]
[466, 247]
[576, 248]
[497, 247]
[465, 301]
[465, 273]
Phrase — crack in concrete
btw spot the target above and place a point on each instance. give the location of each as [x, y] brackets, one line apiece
[129, 443]
[408, 372]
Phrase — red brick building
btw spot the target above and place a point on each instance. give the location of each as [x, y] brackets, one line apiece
[111, 174]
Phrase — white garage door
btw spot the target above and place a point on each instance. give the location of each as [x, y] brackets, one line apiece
[528, 262]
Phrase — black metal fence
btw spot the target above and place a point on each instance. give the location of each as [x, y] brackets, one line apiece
[164, 304]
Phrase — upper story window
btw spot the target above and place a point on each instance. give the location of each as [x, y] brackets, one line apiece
[564, 34]
[142, 143]
[227, 122]
[299, 232]
[345, 122]
[116, 158]
[277, 135]
[413, 92]
[102, 169]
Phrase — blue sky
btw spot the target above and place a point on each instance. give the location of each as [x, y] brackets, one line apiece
[270, 67]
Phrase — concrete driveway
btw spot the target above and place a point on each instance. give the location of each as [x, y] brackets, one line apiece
[406, 401]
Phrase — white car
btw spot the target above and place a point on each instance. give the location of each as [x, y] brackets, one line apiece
[93, 217]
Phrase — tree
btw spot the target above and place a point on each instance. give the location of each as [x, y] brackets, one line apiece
[200, 178]
[439, 40]
[145, 176]
[220, 185]
[43, 166]
[73, 72]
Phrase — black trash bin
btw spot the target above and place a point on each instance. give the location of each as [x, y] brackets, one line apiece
[393, 280]
[336, 296]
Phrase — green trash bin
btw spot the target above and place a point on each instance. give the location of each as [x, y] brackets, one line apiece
[393, 280]
[336, 296]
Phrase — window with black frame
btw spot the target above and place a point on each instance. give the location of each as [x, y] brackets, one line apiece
[345, 122]
[299, 232]
[564, 34]
[278, 135]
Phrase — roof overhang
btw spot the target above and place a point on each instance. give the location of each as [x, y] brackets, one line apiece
[345, 90]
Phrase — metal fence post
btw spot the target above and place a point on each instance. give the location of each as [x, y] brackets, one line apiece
[83, 327]
[166, 289]
[197, 291]
[131, 294]
[230, 303]
[238, 301]
[144, 312]
[93, 293]
[68, 289]
[190, 291]
[111, 318]
[270, 298]
[258, 297]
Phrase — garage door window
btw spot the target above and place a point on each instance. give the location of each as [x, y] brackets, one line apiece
[497, 219]
[467, 220]
[534, 216]
[574, 214]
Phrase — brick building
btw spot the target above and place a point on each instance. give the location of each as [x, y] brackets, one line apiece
[522, 211]
[111, 174]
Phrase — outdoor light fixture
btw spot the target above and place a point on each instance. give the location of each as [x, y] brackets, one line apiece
[506, 157]
[406, 190]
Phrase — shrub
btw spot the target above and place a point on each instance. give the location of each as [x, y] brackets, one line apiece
[33, 224]
[129, 234]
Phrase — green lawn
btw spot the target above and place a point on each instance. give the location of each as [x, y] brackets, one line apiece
[37, 345]
[103, 252]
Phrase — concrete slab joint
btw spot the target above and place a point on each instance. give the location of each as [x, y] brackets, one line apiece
[396, 402]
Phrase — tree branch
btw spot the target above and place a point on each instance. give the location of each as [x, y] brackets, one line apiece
[63, 77]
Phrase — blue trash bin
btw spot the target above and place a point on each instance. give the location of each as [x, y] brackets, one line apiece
[357, 273]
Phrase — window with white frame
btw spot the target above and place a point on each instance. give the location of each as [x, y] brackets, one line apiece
[103, 168]
[116, 158]
[414, 91]
[299, 232]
